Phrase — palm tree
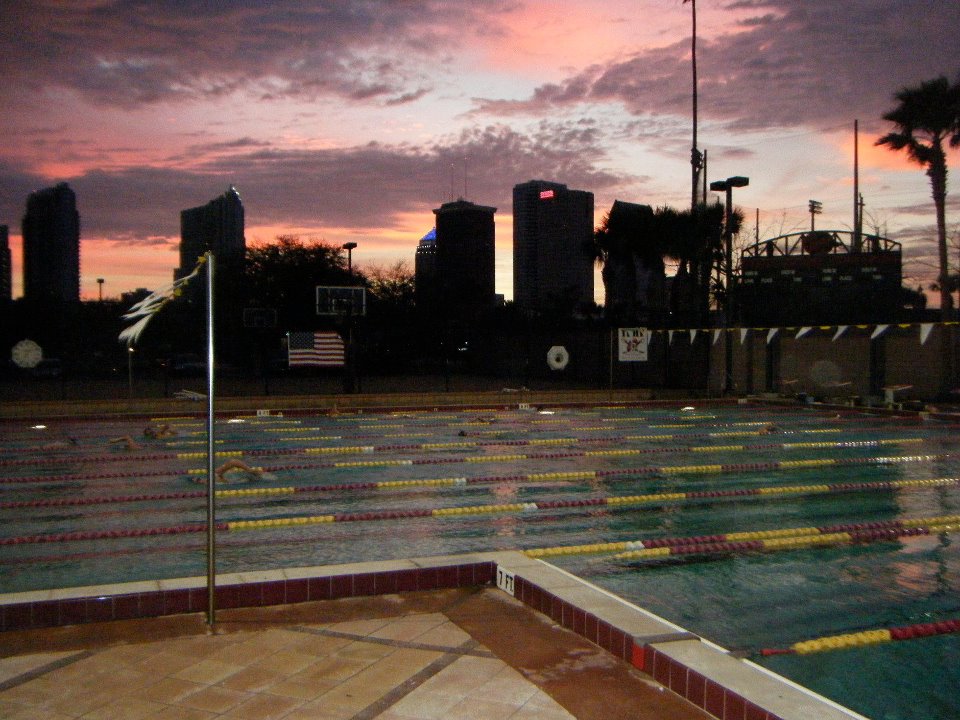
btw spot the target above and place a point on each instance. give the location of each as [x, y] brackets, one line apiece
[927, 117]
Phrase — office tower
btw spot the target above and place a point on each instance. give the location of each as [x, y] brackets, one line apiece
[51, 246]
[425, 270]
[216, 227]
[552, 240]
[465, 258]
[6, 266]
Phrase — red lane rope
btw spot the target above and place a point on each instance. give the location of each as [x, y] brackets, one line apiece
[109, 534]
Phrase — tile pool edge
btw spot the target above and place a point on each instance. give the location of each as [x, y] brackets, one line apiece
[701, 672]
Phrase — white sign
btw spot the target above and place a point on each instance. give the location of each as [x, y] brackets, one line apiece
[633, 344]
[505, 580]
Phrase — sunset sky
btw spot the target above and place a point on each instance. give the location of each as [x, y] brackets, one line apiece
[351, 121]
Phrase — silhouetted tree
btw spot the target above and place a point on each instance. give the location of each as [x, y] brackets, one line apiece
[926, 118]
[284, 275]
[635, 240]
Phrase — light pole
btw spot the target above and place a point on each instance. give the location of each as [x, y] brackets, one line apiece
[816, 207]
[719, 186]
[100, 289]
[349, 248]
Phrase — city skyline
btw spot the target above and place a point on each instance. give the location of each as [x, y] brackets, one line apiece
[350, 122]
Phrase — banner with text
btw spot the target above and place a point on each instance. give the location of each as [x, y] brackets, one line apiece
[633, 344]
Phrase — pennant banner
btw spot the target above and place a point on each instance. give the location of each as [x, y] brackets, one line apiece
[716, 336]
[803, 331]
[771, 334]
[693, 336]
[743, 334]
[925, 329]
[878, 331]
[841, 329]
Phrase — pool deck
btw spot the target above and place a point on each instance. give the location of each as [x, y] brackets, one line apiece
[488, 635]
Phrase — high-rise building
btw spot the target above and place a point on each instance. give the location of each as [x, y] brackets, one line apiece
[216, 227]
[465, 257]
[6, 266]
[51, 246]
[552, 236]
[425, 270]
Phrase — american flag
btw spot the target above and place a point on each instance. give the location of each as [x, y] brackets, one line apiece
[324, 349]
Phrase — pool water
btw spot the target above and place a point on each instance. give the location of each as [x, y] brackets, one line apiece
[53, 486]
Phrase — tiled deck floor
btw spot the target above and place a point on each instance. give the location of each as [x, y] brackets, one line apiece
[467, 653]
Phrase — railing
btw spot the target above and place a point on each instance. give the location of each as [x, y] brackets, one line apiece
[819, 242]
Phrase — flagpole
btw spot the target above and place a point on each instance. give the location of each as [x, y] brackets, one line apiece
[211, 459]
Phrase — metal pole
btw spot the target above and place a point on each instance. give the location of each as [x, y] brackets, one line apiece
[211, 458]
[695, 158]
[728, 298]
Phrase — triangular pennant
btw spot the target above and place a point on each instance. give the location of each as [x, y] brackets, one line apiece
[693, 335]
[771, 334]
[716, 336]
[925, 329]
[878, 331]
[142, 312]
[743, 334]
[841, 329]
[670, 337]
[803, 331]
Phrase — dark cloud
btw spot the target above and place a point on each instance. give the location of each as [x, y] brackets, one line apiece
[789, 63]
[365, 186]
[127, 53]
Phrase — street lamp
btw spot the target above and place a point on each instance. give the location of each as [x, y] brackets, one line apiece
[349, 248]
[720, 186]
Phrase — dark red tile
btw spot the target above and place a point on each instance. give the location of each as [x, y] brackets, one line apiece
[126, 607]
[385, 583]
[320, 588]
[227, 597]
[249, 595]
[406, 580]
[150, 604]
[603, 635]
[100, 609]
[198, 599]
[44, 614]
[735, 707]
[556, 609]
[364, 584]
[297, 591]
[20, 616]
[340, 586]
[713, 701]
[620, 644]
[274, 592]
[638, 657]
[579, 621]
[661, 666]
[484, 573]
[755, 712]
[590, 628]
[73, 611]
[678, 679]
[427, 579]
[696, 688]
[176, 602]
[447, 577]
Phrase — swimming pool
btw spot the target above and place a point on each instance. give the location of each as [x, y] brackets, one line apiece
[365, 487]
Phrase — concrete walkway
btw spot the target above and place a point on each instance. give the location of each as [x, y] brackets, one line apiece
[466, 653]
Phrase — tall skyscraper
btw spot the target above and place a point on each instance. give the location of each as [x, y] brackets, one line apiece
[217, 227]
[465, 257]
[6, 266]
[51, 246]
[425, 270]
[552, 235]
